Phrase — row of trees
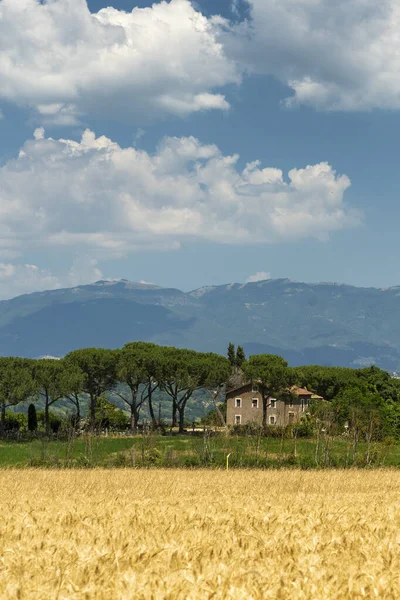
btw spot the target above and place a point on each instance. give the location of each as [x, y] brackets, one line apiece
[132, 374]
[136, 372]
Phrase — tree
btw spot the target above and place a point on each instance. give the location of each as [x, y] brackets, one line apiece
[32, 418]
[76, 384]
[99, 367]
[216, 374]
[150, 373]
[136, 368]
[231, 355]
[240, 357]
[16, 384]
[183, 371]
[236, 357]
[272, 376]
[54, 380]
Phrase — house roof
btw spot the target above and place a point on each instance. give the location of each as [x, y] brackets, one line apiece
[299, 391]
[239, 387]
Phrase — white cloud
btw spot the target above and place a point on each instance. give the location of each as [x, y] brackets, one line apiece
[93, 197]
[259, 276]
[20, 278]
[24, 278]
[84, 270]
[335, 55]
[64, 61]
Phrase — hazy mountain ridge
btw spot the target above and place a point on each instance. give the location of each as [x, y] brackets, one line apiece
[326, 323]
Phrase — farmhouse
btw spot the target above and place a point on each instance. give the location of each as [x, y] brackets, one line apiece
[244, 405]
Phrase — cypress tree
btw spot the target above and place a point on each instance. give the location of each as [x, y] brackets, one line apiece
[32, 418]
[231, 355]
[240, 357]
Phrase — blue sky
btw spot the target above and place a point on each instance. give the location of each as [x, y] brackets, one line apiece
[159, 200]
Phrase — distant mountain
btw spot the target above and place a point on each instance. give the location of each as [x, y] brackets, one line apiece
[325, 323]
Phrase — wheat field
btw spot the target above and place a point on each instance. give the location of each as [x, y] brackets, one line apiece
[130, 534]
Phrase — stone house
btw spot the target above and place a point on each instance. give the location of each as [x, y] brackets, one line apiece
[244, 405]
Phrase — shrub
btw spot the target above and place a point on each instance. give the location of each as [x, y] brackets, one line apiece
[304, 428]
[15, 421]
[54, 420]
[153, 456]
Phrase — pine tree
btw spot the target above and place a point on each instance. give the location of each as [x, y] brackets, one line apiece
[32, 418]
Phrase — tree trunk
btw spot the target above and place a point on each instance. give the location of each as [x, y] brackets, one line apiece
[224, 424]
[134, 418]
[3, 419]
[174, 411]
[151, 410]
[93, 406]
[46, 414]
[264, 417]
[181, 412]
[78, 413]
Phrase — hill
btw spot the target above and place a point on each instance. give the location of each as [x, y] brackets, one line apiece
[329, 324]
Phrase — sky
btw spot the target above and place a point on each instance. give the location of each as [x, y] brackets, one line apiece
[198, 143]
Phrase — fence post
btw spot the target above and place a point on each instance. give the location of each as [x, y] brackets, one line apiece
[227, 461]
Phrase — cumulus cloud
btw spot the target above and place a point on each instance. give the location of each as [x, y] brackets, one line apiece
[96, 198]
[341, 55]
[64, 61]
[20, 278]
[83, 270]
[17, 279]
[259, 276]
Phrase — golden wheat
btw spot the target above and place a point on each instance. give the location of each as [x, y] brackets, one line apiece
[201, 534]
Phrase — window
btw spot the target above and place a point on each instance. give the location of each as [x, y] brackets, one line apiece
[238, 419]
[272, 420]
[254, 402]
[238, 403]
[254, 388]
[291, 402]
[273, 402]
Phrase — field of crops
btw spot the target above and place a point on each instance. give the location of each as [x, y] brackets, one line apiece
[165, 534]
[173, 451]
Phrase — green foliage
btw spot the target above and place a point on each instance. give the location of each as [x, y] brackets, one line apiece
[15, 421]
[231, 355]
[212, 418]
[32, 418]
[236, 357]
[240, 357]
[55, 379]
[271, 374]
[138, 365]
[99, 367]
[109, 416]
[304, 428]
[329, 382]
[52, 424]
[184, 371]
[16, 384]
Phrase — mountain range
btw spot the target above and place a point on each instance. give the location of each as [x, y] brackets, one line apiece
[324, 323]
